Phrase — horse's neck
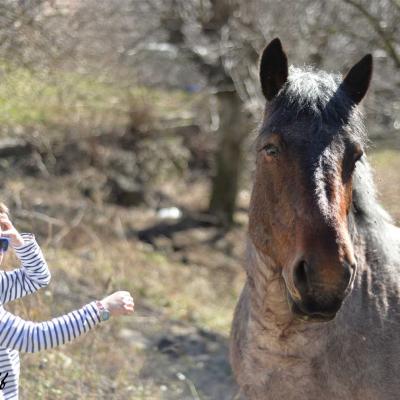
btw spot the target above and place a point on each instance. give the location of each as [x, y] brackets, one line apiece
[271, 323]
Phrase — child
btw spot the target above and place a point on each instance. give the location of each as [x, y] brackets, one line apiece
[17, 334]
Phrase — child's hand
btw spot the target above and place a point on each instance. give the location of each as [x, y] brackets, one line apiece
[119, 303]
[8, 230]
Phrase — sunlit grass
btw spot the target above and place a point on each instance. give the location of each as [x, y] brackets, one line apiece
[60, 97]
[386, 164]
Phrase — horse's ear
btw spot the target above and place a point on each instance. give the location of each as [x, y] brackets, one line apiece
[273, 69]
[357, 80]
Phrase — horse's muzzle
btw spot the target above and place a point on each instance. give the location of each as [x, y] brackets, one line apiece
[310, 312]
[317, 295]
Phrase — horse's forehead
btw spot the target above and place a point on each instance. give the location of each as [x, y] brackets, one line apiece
[309, 139]
[298, 124]
[310, 107]
[312, 150]
[298, 135]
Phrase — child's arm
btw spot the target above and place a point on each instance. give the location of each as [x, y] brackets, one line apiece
[31, 276]
[31, 337]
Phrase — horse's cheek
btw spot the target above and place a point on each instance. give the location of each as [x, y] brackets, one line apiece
[260, 218]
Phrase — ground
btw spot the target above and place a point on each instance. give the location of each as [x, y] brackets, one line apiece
[185, 287]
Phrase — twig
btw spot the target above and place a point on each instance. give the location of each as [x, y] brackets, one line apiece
[376, 25]
[40, 216]
[193, 389]
[67, 229]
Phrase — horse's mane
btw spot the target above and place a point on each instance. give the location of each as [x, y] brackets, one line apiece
[366, 207]
[317, 95]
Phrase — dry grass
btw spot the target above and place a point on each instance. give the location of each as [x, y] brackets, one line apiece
[386, 163]
[114, 361]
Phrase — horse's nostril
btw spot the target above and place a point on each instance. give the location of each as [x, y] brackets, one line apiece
[348, 270]
[300, 277]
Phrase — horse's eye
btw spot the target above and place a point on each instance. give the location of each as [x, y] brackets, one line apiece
[271, 150]
[357, 155]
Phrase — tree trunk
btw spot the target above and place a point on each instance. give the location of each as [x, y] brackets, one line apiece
[228, 158]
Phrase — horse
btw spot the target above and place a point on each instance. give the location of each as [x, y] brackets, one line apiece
[319, 313]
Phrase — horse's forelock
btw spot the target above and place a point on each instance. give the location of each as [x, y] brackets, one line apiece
[316, 96]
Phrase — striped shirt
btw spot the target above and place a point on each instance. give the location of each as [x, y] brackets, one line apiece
[17, 334]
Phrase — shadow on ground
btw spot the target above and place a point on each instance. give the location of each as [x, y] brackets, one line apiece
[185, 362]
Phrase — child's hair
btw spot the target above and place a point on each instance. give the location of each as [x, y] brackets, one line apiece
[4, 209]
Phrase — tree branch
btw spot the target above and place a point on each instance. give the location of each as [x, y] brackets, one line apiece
[374, 21]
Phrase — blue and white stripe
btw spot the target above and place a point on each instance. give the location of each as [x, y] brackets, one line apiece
[18, 335]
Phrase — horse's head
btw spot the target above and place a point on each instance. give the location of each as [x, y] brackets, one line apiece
[309, 143]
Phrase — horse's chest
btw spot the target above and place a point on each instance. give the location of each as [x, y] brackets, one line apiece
[279, 374]
[278, 378]
[277, 371]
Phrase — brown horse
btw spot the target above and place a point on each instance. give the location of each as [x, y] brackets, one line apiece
[319, 315]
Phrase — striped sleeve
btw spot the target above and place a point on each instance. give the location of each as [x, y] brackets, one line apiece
[31, 276]
[31, 337]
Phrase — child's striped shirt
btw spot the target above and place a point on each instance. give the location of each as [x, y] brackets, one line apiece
[17, 334]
